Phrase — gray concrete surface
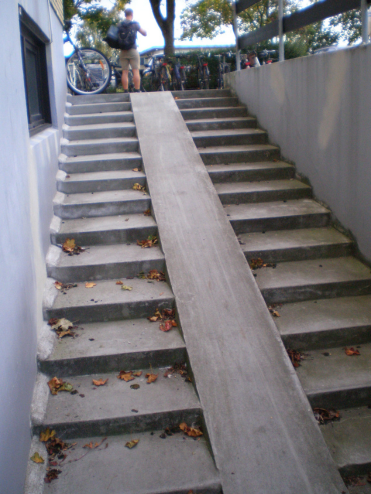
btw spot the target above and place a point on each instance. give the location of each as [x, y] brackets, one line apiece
[317, 109]
[104, 162]
[239, 172]
[242, 374]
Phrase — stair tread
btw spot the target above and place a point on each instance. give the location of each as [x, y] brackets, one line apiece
[349, 439]
[312, 272]
[113, 125]
[98, 157]
[337, 371]
[274, 209]
[154, 466]
[226, 132]
[106, 292]
[268, 185]
[99, 197]
[106, 140]
[99, 103]
[99, 175]
[117, 399]
[231, 149]
[103, 254]
[324, 315]
[230, 167]
[210, 108]
[97, 224]
[116, 337]
[291, 239]
[221, 119]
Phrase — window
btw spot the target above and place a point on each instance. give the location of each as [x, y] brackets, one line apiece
[35, 73]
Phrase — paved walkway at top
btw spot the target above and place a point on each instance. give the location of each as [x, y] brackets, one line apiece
[262, 431]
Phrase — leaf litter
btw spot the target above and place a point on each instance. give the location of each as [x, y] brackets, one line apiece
[126, 287]
[166, 317]
[323, 416]
[351, 352]
[62, 327]
[131, 444]
[273, 309]
[151, 378]
[148, 243]
[100, 382]
[147, 212]
[137, 186]
[56, 385]
[90, 284]
[259, 263]
[63, 287]
[180, 369]
[190, 431]
[36, 458]
[70, 247]
[296, 357]
[126, 376]
[152, 275]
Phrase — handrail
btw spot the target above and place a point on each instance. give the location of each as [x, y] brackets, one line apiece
[314, 13]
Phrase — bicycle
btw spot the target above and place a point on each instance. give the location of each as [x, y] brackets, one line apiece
[158, 71]
[88, 70]
[179, 75]
[203, 73]
[223, 68]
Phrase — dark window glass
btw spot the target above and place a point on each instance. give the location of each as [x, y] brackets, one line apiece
[35, 77]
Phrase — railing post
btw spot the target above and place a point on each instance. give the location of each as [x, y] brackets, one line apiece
[364, 13]
[235, 28]
[280, 31]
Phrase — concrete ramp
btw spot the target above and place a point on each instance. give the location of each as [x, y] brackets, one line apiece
[263, 435]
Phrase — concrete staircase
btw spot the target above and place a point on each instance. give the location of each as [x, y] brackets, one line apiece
[97, 206]
[325, 291]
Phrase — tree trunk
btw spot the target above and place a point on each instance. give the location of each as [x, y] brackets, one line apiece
[166, 24]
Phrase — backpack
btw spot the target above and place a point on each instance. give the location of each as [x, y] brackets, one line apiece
[112, 37]
[127, 35]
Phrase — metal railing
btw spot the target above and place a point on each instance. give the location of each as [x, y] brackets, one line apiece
[304, 17]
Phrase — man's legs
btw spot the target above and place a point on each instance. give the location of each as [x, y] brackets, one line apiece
[125, 79]
[136, 79]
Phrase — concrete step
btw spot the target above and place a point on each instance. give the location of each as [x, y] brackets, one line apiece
[103, 230]
[248, 172]
[336, 380]
[207, 113]
[99, 118]
[154, 466]
[114, 346]
[100, 162]
[349, 441]
[108, 203]
[103, 262]
[97, 98]
[98, 181]
[99, 131]
[265, 216]
[325, 323]
[239, 154]
[202, 93]
[274, 190]
[85, 109]
[313, 279]
[107, 301]
[295, 245]
[160, 404]
[221, 123]
[99, 146]
[206, 102]
[229, 137]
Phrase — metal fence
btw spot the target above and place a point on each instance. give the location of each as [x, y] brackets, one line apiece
[304, 17]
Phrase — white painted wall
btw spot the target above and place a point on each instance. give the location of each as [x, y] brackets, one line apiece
[318, 110]
[27, 168]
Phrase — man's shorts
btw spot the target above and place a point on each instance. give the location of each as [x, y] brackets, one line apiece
[130, 57]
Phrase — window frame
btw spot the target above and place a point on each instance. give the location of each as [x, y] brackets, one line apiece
[34, 41]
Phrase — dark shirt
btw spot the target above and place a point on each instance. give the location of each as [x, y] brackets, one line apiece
[134, 24]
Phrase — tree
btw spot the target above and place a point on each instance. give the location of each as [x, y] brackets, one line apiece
[351, 25]
[166, 24]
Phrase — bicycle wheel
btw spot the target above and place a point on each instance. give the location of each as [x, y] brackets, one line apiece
[206, 78]
[200, 79]
[91, 74]
[164, 80]
[183, 79]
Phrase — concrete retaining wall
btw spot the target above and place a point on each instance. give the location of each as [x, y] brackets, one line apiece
[317, 109]
[28, 168]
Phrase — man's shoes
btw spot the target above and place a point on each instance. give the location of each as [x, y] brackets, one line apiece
[126, 90]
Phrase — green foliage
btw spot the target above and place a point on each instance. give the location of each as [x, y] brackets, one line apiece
[351, 25]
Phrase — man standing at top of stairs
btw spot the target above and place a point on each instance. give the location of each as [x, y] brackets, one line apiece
[129, 55]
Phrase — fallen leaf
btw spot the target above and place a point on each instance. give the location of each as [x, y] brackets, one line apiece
[46, 435]
[322, 415]
[131, 444]
[61, 326]
[259, 263]
[167, 325]
[64, 286]
[126, 376]
[139, 187]
[148, 243]
[71, 248]
[94, 446]
[180, 369]
[56, 385]
[136, 170]
[156, 316]
[119, 282]
[190, 431]
[296, 357]
[351, 351]
[90, 284]
[52, 475]
[37, 458]
[126, 287]
[151, 378]
[58, 285]
[147, 212]
[137, 374]
[135, 386]
[99, 382]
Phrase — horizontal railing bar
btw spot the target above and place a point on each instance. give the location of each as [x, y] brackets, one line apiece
[242, 5]
[267, 32]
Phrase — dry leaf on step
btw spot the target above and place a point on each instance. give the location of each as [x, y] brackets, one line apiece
[99, 382]
[126, 376]
[351, 351]
[132, 443]
[151, 378]
[46, 435]
[89, 284]
[36, 458]
[126, 287]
